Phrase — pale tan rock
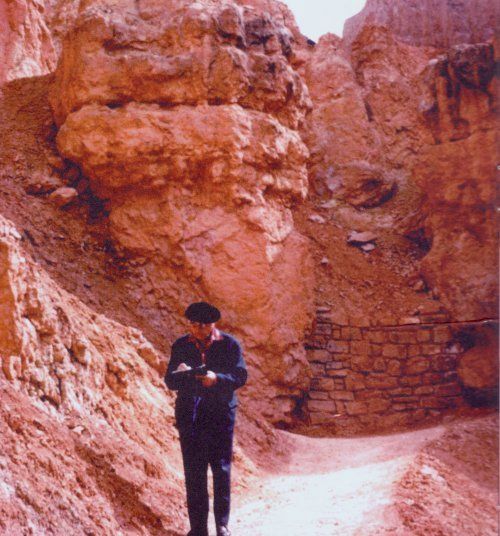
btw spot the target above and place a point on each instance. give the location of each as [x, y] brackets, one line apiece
[356, 237]
[63, 196]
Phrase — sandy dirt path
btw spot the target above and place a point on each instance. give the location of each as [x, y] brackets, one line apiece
[334, 486]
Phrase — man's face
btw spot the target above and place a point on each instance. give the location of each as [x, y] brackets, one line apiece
[201, 331]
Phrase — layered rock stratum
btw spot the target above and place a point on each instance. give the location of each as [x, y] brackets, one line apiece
[335, 199]
[201, 112]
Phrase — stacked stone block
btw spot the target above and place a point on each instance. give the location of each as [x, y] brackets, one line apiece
[382, 375]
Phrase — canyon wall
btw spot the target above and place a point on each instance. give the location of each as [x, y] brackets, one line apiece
[436, 23]
[85, 419]
[402, 141]
[412, 130]
[335, 200]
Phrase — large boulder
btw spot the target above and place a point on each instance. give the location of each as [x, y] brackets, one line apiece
[184, 116]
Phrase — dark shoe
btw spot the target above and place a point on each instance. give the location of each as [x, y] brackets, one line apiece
[222, 530]
[197, 533]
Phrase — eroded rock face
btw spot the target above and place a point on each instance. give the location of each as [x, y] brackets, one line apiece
[436, 23]
[179, 53]
[339, 132]
[188, 129]
[30, 36]
[411, 131]
[478, 368]
[360, 135]
[457, 170]
[68, 381]
[148, 147]
[26, 45]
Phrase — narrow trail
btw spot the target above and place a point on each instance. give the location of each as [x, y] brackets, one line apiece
[334, 486]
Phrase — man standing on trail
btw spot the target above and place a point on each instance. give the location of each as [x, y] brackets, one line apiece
[206, 367]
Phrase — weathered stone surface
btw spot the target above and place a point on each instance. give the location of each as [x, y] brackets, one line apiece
[416, 365]
[381, 381]
[180, 53]
[318, 417]
[403, 337]
[26, 45]
[321, 356]
[356, 408]
[77, 429]
[342, 395]
[317, 369]
[188, 129]
[437, 23]
[361, 363]
[460, 115]
[321, 405]
[394, 367]
[360, 347]
[393, 350]
[338, 347]
[478, 367]
[355, 381]
[378, 405]
[322, 384]
[318, 395]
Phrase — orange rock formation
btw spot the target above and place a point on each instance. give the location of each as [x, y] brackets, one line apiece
[335, 200]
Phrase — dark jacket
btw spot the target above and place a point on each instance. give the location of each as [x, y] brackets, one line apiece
[213, 405]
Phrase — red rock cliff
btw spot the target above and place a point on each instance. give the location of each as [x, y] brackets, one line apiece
[205, 150]
[436, 23]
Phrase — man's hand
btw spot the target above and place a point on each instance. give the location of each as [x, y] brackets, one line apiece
[209, 379]
[182, 367]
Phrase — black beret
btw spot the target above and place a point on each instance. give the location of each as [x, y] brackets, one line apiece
[202, 312]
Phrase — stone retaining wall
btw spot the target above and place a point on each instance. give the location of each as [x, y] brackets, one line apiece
[377, 377]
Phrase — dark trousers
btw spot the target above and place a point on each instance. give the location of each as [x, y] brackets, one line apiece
[203, 445]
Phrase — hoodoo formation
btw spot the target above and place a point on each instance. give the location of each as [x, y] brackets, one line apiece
[336, 200]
